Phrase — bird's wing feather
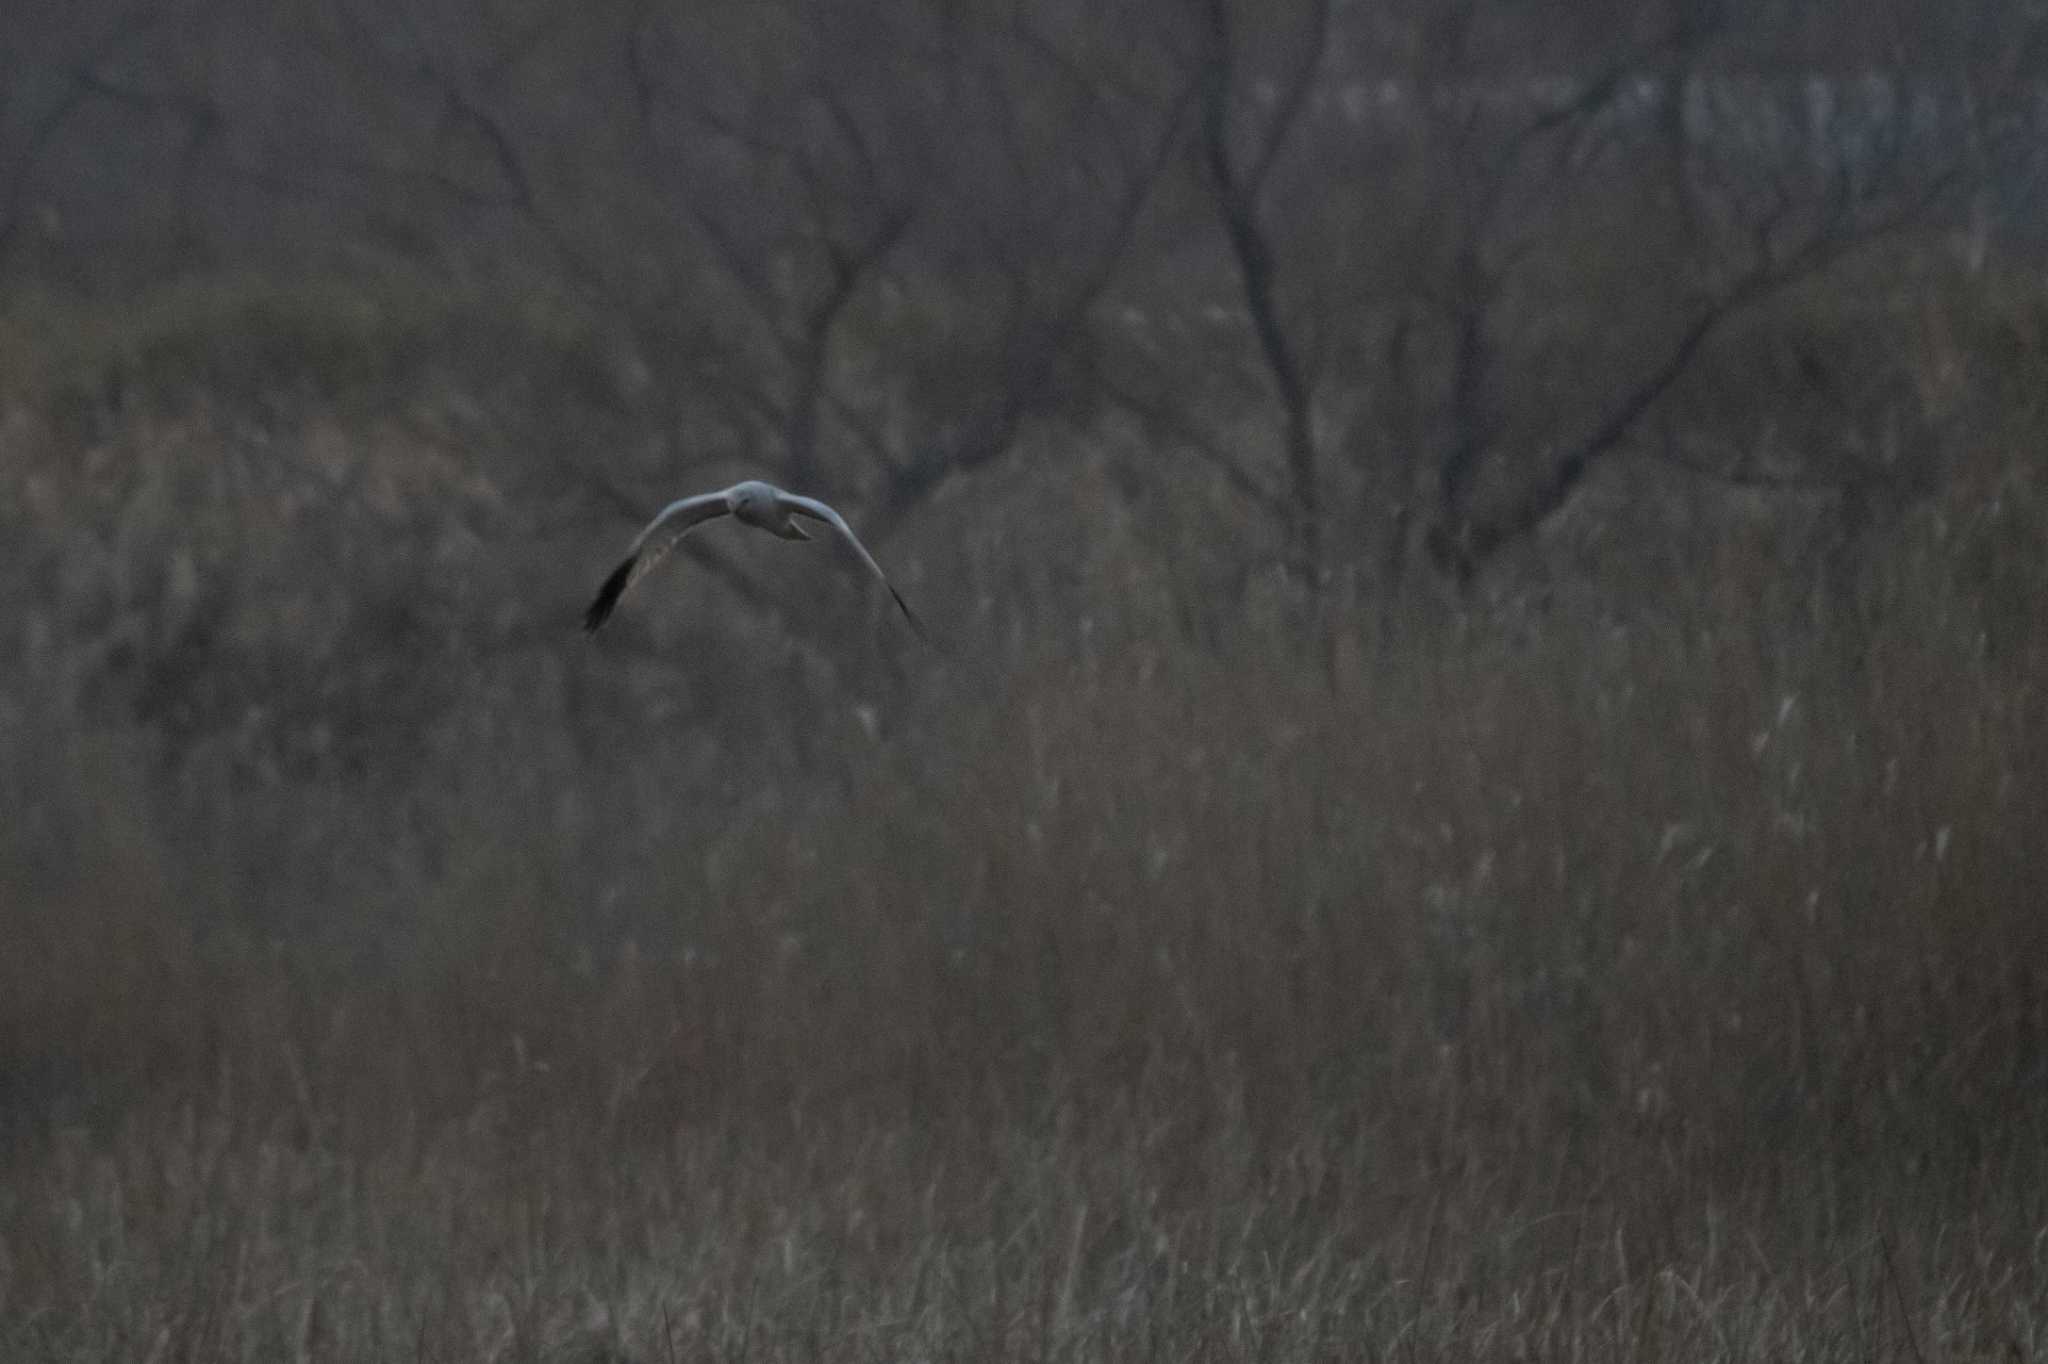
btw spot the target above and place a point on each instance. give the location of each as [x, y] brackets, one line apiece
[671, 524]
[819, 511]
[678, 517]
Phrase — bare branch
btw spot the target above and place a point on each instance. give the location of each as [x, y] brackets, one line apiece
[1461, 545]
[1238, 200]
[989, 435]
[1294, 92]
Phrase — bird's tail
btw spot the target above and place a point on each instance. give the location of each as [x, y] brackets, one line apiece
[607, 597]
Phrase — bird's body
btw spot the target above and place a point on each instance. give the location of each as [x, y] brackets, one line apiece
[752, 503]
[765, 507]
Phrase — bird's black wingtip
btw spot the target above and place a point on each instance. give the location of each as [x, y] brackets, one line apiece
[607, 598]
[916, 625]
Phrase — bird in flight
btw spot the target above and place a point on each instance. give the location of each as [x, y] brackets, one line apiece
[760, 505]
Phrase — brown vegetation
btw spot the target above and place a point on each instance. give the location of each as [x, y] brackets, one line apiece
[1478, 794]
[1644, 962]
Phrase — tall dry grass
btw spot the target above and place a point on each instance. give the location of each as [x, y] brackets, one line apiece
[1649, 966]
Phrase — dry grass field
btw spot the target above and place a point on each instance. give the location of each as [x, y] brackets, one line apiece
[1642, 958]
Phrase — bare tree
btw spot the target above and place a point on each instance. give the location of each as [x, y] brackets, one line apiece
[1239, 150]
[1403, 278]
[1474, 275]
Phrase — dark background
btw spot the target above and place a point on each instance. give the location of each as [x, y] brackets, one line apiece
[1477, 792]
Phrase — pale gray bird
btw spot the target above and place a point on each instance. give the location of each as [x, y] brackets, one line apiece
[760, 505]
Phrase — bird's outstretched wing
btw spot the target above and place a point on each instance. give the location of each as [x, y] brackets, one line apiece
[650, 546]
[818, 511]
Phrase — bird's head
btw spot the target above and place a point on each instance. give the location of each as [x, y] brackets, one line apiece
[751, 496]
